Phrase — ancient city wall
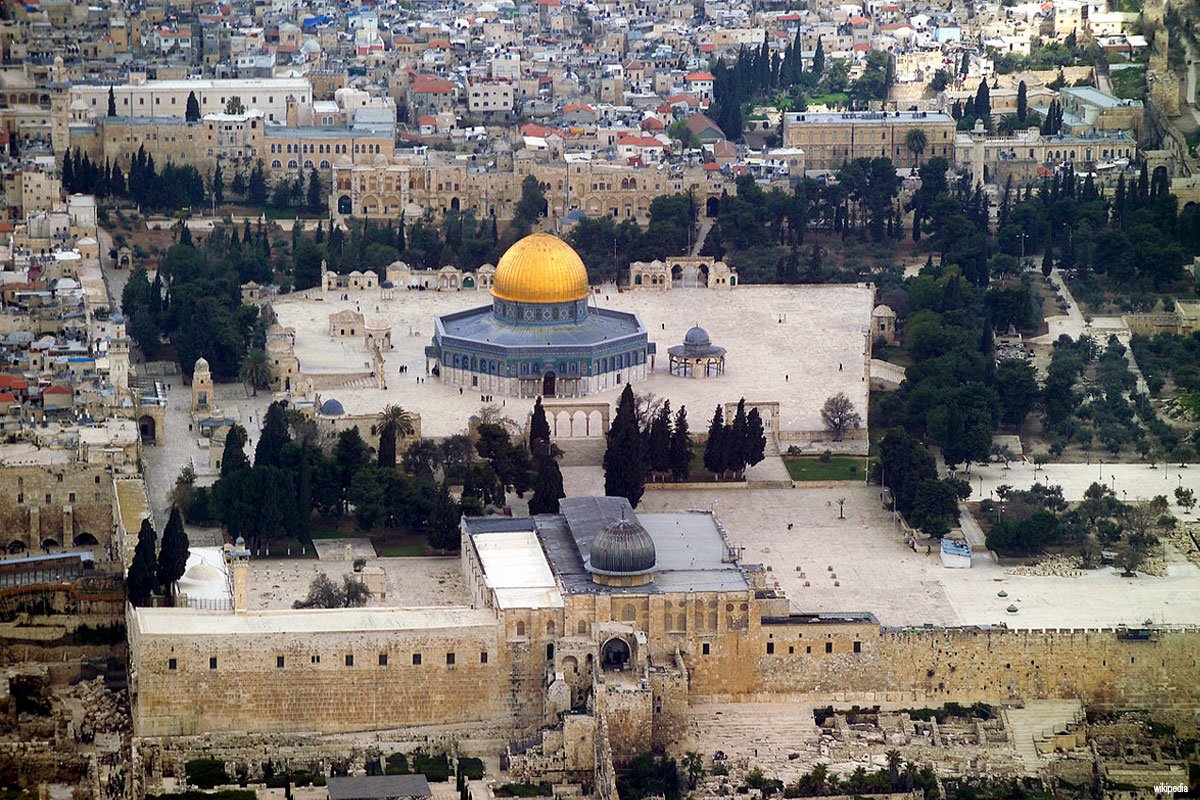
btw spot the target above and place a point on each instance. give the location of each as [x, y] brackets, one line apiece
[330, 681]
[993, 664]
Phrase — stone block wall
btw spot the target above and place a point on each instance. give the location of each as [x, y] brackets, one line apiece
[56, 502]
[329, 682]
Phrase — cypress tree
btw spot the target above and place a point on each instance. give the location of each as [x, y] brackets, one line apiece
[624, 461]
[818, 64]
[735, 452]
[680, 456]
[304, 500]
[443, 521]
[547, 488]
[233, 457]
[1022, 103]
[68, 172]
[218, 185]
[269, 452]
[539, 431]
[658, 454]
[756, 438]
[112, 102]
[386, 456]
[192, 113]
[142, 577]
[173, 555]
[714, 460]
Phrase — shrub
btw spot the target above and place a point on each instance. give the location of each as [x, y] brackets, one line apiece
[205, 773]
[825, 456]
[471, 768]
[435, 768]
[524, 790]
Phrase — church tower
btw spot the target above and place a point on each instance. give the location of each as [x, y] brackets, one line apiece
[60, 110]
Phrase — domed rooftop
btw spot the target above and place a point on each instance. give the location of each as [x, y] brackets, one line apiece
[697, 337]
[201, 365]
[332, 408]
[540, 268]
[623, 548]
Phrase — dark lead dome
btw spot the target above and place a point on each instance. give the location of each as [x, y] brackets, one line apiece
[624, 548]
[332, 408]
[697, 337]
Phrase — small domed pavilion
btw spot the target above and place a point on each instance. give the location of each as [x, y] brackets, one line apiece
[697, 357]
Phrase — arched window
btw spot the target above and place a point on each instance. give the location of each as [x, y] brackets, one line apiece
[520, 629]
[550, 628]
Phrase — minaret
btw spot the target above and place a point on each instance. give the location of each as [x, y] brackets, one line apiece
[202, 388]
[239, 575]
[324, 283]
[118, 356]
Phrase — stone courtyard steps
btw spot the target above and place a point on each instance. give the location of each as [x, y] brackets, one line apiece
[756, 733]
[1037, 720]
[582, 452]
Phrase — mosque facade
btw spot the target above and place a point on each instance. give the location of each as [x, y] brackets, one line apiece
[540, 336]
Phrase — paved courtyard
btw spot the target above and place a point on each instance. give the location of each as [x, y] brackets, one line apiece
[795, 345]
[277, 583]
[875, 571]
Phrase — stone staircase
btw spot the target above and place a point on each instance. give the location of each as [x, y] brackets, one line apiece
[1038, 720]
[706, 224]
[582, 452]
[756, 733]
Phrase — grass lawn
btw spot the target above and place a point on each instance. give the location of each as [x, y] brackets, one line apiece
[831, 99]
[838, 468]
[1129, 83]
[399, 548]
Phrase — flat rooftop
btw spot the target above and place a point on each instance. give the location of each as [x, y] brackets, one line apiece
[186, 621]
[516, 569]
[689, 546]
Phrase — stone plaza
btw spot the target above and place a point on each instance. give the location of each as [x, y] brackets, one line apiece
[795, 345]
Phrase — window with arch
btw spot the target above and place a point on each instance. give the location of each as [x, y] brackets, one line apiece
[520, 629]
[550, 628]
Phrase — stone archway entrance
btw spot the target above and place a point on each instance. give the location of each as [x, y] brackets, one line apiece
[548, 381]
[344, 205]
[615, 653]
[712, 207]
[147, 428]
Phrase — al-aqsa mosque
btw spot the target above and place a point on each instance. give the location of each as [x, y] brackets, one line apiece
[540, 336]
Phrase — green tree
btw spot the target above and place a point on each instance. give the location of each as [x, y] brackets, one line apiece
[256, 186]
[915, 141]
[1022, 103]
[233, 457]
[315, 197]
[680, 456]
[422, 459]
[756, 438]
[714, 448]
[234, 106]
[255, 371]
[143, 569]
[658, 442]
[112, 102]
[396, 423]
[173, 555]
[443, 524]
[531, 207]
[192, 112]
[547, 487]
[539, 431]
[350, 454]
[624, 459]
[218, 185]
[274, 437]
[1016, 386]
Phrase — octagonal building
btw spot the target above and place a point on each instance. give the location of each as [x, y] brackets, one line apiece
[540, 336]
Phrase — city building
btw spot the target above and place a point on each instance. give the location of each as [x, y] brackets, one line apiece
[829, 139]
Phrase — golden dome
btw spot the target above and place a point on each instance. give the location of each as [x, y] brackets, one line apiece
[540, 268]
